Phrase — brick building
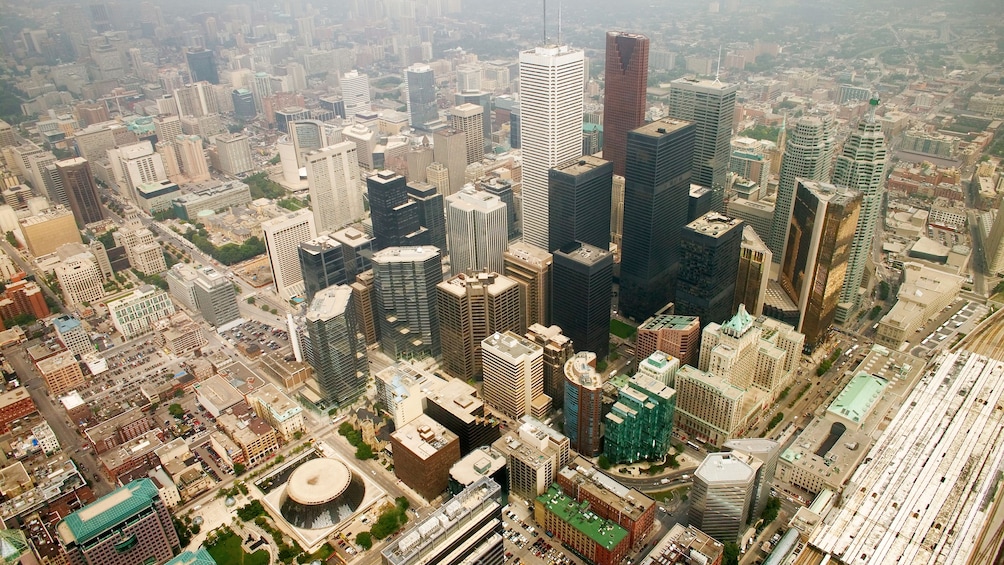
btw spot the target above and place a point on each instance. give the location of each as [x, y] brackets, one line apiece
[14, 404]
[424, 451]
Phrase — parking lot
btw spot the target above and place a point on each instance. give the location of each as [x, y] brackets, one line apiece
[261, 334]
[941, 331]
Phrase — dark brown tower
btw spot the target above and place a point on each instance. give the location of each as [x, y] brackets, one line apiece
[624, 93]
[81, 191]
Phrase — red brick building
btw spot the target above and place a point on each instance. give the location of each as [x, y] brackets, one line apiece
[22, 297]
[14, 404]
[608, 499]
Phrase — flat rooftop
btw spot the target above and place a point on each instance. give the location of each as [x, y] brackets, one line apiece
[669, 322]
[662, 127]
[724, 468]
[329, 303]
[577, 515]
[107, 511]
[424, 436]
[481, 462]
[512, 345]
[857, 399]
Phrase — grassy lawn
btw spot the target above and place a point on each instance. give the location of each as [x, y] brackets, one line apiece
[229, 551]
[622, 330]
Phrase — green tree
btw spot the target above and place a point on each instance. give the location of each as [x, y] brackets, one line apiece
[364, 540]
[364, 451]
[770, 511]
[251, 300]
[11, 239]
[603, 462]
[731, 554]
[176, 410]
[883, 290]
[250, 511]
[239, 469]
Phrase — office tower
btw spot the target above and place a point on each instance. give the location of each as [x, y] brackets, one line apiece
[45, 232]
[712, 106]
[322, 265]
[235, 153]
[699, 202]
[765, 451]
[404, 283]
[823, 221]
[530, 267]
[261, 88]
[558, 350]
[81, 191]
[355, 92]
[468, 119]
[339, 355]
[365, 302]
[244, 104]
[583, 404]
[394, 215]
[420, 93]
[808, 155]
[449, 148]
[430, 211]
[333, 179]
[679, 336]
[357, 250]
[723, 489]
[283, 235]
[202, 66]
[535, 454]
[8, 136]
[861, 167]
[333, 104]
[581, 289]
[136, 164]
[709, 262]
[131, 524]
[142, 248]
[483, 99]
[424, 450]
[80, 279]
[514, 376]
[470, 526]
[640, 423]
[216, 297]
[579, 202]
[656, 188]
[193, 158]
[419, 158]
[476, 231]
[750, 159]
[626, 82]
[757, 215]
[503, 189]
[472, 307]
[551, 97]
[753, 274]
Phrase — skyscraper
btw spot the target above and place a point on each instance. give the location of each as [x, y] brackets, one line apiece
[234, 151]
[807, 155]
[582, 283]
[216, 297]
[420, 92]
[430, 211]
[467, 118]
[712, 106]
[815, 260]
[530, 266]
[579, 202]
[583, 404]
[322, 265]
[244, 108]
[709, 261]
[193, 158]
[514, 376]
[202, 66]
[551, 95]
[476, 231]
[640, 423]
[754, 273]
[483, 99]
[355, 92]
[861, 167]
[405, 280]
[394, 215]
[283, 235]
[339, 355]
[656, 190]
[449, 148]
[333, 178]
[624, 92]
[80, 190]
[723, 488]
[503, 189]
[472, 307]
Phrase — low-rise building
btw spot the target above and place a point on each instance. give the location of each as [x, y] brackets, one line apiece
[73, 335]
[135, 457]
[61, 372]
[118, 430]
[608, 499]
[279, 410]
[922, 294]
[180, 335]
[211, 195]
[14, 404]
[134, 312]
[599, 541]
[252, 434]
[684, 545]
[216, 395]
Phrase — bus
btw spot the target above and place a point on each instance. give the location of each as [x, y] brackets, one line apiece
[694, 445]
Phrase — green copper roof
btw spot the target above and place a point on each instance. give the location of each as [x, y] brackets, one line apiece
[858, 397]
[604, 532]
[740, 322]
[197, 557]
[107, 511]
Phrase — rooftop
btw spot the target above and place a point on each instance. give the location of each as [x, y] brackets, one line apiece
[724, 468]
[481, 462]
[713, 224]
[577, 515]
[662, 127]
[858, 397]
[512, 345]
[107, 511]
[198, 557]
[424, 436]
[329, 303]
[583, 164]
[670, 322]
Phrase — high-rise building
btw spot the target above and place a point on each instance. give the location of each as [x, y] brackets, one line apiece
[202, 66]
[244, 108]
[355, 92]
[129, 525]
[861, 167]
[80, 279]
[45, 232]
[449, 148]
[283, 236]
[656, 189]
[235, 153]
[709, 262]
[216, 297]
[679, 336]
[394, 215]
[583, 404]
[514, 376]
[333, 178]
[357, 250]
[468, 119]
[530, 266]
[503, 189]
[483, 99]
[551, 100]
[424, 450]
[823, 221]
[640, 423]
[557, 351]
[534, 454]
[193, 158]
[476, 231]
[624, 90]
[723, 489]
[322, 265]
[469, 526]
[582, 287]
[712, 106]
[430, 211]
[405, 280]
[754, 273]
[751, 159]
[807, 154]
[579, 202]
[338, 352]
[420, 93]
[472, 307]
[766, 451]
[81, 191]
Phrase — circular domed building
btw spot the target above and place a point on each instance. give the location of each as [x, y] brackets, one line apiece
[320, 493]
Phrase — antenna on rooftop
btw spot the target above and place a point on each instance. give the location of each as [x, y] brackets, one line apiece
[545, 22]
[559, 22]
[719, 68]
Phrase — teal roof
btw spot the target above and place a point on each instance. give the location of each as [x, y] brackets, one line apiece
[577, 515]
[197, 557]
[592, 127]
[856, 400]
[107, 511]
[739, 323]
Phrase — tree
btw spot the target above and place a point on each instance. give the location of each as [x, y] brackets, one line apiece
[251, 300]
[239, 469]
[364, 451]
[731, 554]
[770, 511]
[364, 540]
[11, 239]
[603, 462]
[176, 410]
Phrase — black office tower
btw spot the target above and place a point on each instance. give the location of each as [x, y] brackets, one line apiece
[581, 285]
[709, 265]
[395, 216]
[244, 108]
[430, 211]
[81, 191]
[579, 194]
[656, 194]
[202, 65]
[322, 265]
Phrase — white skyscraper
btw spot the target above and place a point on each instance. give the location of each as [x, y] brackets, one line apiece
[551, 83]
[861, 167]
[476, 230]
[283, 236]
[355, 92]
[333, 178]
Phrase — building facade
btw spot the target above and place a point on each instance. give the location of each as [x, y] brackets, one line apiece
[404, 284]
[625, 87]
[583, 404]
[579, 197]
[514, 376]
[476, 231]
[338, 354]
[582, 286]
[709, 264]
[472, 308]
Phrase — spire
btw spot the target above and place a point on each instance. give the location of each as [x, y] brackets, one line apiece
[872, 106]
